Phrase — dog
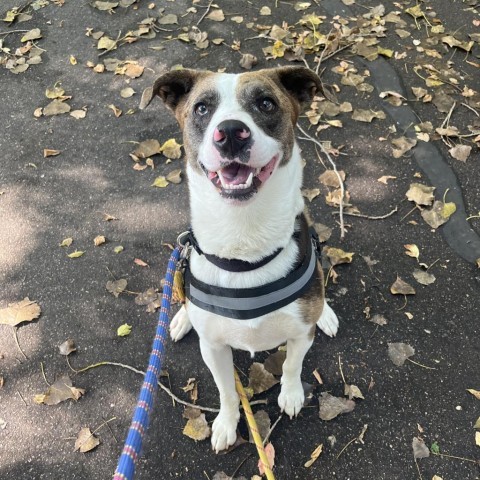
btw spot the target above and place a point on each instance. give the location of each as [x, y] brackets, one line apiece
[249, 229]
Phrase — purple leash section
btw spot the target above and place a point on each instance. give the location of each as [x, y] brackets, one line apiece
[133, 444]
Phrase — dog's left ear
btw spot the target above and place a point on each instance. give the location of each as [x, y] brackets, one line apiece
[300, 82]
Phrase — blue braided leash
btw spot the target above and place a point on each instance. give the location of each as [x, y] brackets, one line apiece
[133, 444]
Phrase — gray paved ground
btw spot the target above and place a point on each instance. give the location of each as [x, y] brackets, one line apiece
[45, 200]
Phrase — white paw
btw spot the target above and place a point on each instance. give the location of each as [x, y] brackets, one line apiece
[180, 325]
[224, 431]
[328, 321]
[291, 399]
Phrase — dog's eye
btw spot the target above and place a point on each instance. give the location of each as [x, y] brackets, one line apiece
[201, 109]
[266, 104]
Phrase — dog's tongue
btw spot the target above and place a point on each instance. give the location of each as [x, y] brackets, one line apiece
[236, 174]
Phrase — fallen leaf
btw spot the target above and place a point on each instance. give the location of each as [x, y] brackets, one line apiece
[160, 182]
[367, 115]
[300, 6]
[423, 277]
[263, 425]
[24, 311]
[337, 256]
[78, 114]
[412, 251]
[124, 330]
[67, 347]
[270, 453]
[475, 393]
[477, 423]
[133, 70]
[56, 107]
[151, 298]
[118, 249]
[460, 152]
[378, 319]
[76, 254]
[314, 455]
[60, 391]
[265, 11]
[331, 407]
[403, 145]
[175, 176]
[171, 149]
[216, 15]
[66, 242]
[420, 194]
[106, 43]
[477, 439]
[329, 178]
[197, 428]
[323, 232]
[439, 213]
[311, 193]
[385, 179]
[147, 148]
[47, 152]
[116, 111]
[116, 287]
[399, 352]
[274, 362]
[33, 34]
[86, 440]
[140, 262]
[127, 92]
[420, 450]
[352, 391]
[400, 287]
[318, 377]
[259, 379]
[73, 60]
[248, 61]
[99, 240]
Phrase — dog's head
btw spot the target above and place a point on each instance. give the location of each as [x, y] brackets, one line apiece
[238, 129]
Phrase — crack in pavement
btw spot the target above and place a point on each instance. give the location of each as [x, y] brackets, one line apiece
[457, 231]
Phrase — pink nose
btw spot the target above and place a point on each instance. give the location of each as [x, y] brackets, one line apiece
[218, 135]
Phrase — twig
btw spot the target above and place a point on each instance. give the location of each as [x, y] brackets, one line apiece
[267, 436]
[23, 400]
[407, 214]
[420, 365]
[456, 458]
[342, 188]
[359, 438]
[240, 466]
[205, 13]
[341, 371]
[18, 344]
[471, 108]
[103, 424]
[111, 431]
[44, 376]
[418, 469]
[161, 385]
[369, 217]
[14, 31]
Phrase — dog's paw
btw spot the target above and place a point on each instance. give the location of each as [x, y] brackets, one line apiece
[291, 399]
[224, 431]
[180, 325]
[328, 321]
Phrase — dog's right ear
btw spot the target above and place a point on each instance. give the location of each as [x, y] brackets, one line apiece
[171, 87]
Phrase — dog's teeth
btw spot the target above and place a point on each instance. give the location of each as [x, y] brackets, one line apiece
[222, 180]
[248, 183]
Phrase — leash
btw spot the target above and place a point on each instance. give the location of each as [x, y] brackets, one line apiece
[133, 444]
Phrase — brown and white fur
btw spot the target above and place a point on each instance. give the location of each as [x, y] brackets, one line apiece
[249, 227]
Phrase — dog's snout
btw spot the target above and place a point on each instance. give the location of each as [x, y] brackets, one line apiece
[233, 138]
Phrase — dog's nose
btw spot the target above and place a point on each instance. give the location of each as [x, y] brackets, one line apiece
[233, 138]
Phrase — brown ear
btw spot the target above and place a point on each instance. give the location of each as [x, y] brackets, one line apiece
[171, 88]
[300, 82]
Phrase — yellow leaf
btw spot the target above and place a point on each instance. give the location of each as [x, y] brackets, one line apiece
[24, 311]
[73, 60]
[412, 251]
[415, 11]
[66, 242]
[106, 43]
[171, 149]
[449, 208]
[314, 455]
[160, 182]
[338, 256]
[385, 52]
[124, 330]
[75, 254]
[197, 428]
[475, 393]
[278, 49]
[118, 249]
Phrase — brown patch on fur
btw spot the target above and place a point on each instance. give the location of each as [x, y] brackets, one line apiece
[312, 301]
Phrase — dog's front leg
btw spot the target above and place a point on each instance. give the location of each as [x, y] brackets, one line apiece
[219, 360]
[291, 396]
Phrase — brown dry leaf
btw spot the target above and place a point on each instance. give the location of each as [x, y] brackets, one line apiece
[311, 193]
[314, 455]
[116, 111]
[378, 319]
[317, 376]
[439, 213]
[323, 232]
[352, 391]
[56, 107]
[423, 277]
[443, 101]
[330, 179]
[99, 240]
[169, 19]
[133, 70]
[86, 440]
[334, 198]
[420, 194]
[248, 61]
[460, 152]
[412, 250]
[399, 352]
[171, 149]
[331, 407]
[259, 379]
[47, 152]
[337, 256]
[34, 34]
[78, 114]
[475, 393]
[449, 131]
[270, 453]
[140, 262]
[265, 11]
[16, 313]
[127, 92]
[105, 6]
[151, 298]
[403, 145]
[116, 287]
[451, 41]
[175, 176]
[147, 148]
[400, 287]
[420, 450]
[385, 178]
[197, 428]
[60, 391]
[367, 115]
[263, 425]
[216, 15]
[274, 362]
[67, 347]
[106, 43]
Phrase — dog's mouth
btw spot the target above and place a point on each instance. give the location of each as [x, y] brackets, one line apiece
[239, 181]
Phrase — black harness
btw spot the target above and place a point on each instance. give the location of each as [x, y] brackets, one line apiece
[248, 303]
